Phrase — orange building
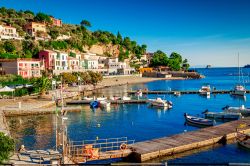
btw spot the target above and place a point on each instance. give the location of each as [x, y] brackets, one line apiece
[33, 27]
[56, 22]
[145, 69]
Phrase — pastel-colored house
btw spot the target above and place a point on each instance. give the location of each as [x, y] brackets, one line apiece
[33, 28]
[56, 22]
[9, 32]
[26, 67]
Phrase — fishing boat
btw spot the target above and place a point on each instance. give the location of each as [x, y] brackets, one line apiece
[158, 102]
[104, 104]
[239, 89]
[198, 120]
[94, 104]
[243, 140]
[205, 90]
[242, 109]
[222, 115]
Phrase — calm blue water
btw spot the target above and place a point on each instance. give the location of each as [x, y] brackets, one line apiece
[141, 122]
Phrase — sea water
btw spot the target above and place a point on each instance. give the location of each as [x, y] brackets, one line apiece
[141, 122]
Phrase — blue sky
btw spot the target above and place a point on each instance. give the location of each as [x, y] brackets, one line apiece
[203, 31]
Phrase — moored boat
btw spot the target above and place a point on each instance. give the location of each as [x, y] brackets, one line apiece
[239, 90]
[104, 104]
[205, 90]
[158, 102]
[243, 140]
[94, 104]
[198, 120]
[126, 98]
[88, 98]
[242, 109]
[177, 93]
[223, 115]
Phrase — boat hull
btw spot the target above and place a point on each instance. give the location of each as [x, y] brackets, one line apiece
[198, 121]
[224, 116]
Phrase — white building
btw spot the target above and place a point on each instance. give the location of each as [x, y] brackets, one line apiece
[8, 32]
[61, 61]
[91, 63]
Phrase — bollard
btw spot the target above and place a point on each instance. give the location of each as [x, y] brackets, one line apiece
[19, 104]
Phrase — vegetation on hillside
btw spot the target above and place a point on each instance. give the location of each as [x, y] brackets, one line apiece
[80, 38]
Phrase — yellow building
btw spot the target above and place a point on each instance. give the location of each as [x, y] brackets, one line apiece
[145, 69]
[33, 28]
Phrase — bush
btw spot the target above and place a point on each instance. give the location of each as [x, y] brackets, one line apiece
[7, 146]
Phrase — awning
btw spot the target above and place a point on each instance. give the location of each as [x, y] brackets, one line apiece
[7, 89]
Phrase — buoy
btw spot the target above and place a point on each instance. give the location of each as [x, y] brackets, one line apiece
[98, 125]
[97, 138]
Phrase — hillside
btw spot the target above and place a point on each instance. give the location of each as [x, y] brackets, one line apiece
[80, 38]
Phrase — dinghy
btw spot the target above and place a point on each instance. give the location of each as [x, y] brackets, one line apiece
[198, 121]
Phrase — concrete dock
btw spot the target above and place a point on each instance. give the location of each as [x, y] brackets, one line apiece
[143, 151]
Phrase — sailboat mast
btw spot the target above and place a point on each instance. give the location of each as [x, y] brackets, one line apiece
[239, 67]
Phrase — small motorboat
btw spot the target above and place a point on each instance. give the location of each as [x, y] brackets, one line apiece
[242, 109]
[222, 115]
[101, 98]
[115, 98]
[177, 93]
[104, 104]
[88, 98]
[205, 90]
[126, 98]
[198, 121]
[94, 104]
[158, 102]
[239, 90]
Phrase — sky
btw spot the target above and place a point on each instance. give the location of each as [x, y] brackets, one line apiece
[203, 31]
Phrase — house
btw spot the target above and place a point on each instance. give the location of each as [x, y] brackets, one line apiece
[116, 67]
[26, 68]
[91, 62]
[8, 32]
[36, 29]
[47, 58]
[54, 60]
[73, 63]
[56, 22]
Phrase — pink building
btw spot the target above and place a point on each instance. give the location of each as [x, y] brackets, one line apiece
[73, 63]
[26, 68]
[56, 22]
[47, 58]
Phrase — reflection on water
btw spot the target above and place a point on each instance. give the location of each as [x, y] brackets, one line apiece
[32, 131]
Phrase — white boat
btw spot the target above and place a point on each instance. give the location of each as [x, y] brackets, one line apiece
[158, 102]
[239, 89]
[205, 90]
[198, 120]
[101, 98]
[223, 115]
[242, 109]
[88, 98]
[126, 98]
[104, 104]
[177, 93]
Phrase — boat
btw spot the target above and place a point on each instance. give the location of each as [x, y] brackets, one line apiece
[239, 89]
[94, 104]
[104, 104]
[101, 98]
[222, 115]
[158, 102]
[243, 140]
[126, 98]
[208, 66]
[88, 98]
[205, 90]
[242, 109]
[177, 93]
[198, 120]
[247, 66]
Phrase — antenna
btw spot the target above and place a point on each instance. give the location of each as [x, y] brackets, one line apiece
[239, 66]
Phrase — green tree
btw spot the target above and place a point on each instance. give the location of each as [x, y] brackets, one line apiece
[29, 12]
[95, 77]
[119, 38]
[9, 46]
[185, 65]
[175, 61]
[7, 146]
[69, 78]
[159, 59]
[42, 84]
[42, 17]
[84, 24]
[54, 34]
